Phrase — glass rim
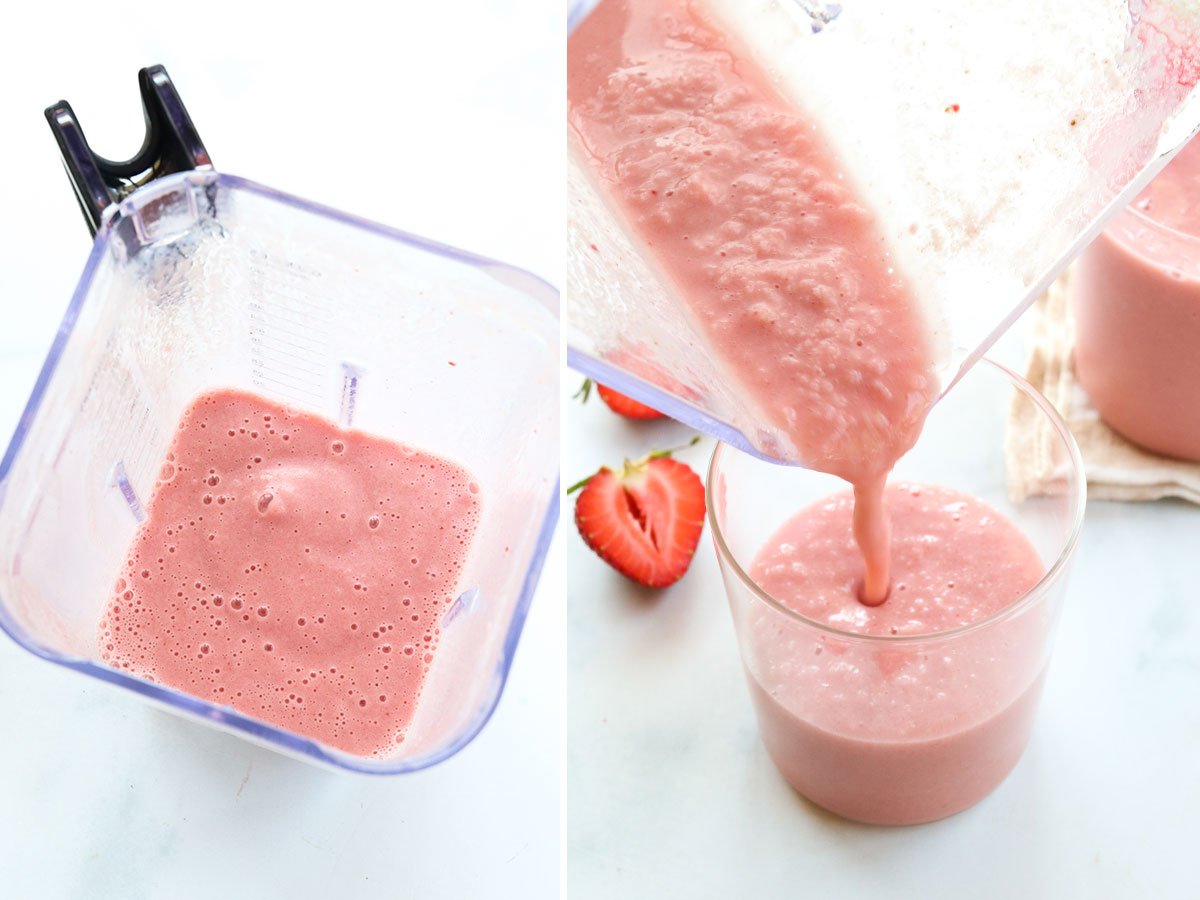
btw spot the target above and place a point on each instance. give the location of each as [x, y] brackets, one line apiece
[1154, 223]
[1017, 607]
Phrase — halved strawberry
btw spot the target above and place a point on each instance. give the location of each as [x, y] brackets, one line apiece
[618, 402]
[645, 520]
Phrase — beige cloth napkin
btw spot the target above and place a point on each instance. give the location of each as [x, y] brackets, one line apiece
[1116, 469]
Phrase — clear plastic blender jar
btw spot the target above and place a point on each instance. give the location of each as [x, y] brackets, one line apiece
[990, 141]
[199, 280]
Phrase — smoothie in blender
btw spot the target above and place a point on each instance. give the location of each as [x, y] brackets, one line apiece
[293, 570]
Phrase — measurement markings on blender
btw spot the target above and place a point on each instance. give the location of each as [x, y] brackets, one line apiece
[128, 436]
[289, 335]
[463, 604]
[350, 378]
[121, 482]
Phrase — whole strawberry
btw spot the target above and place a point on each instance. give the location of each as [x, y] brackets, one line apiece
[618, 402]
[644, 520]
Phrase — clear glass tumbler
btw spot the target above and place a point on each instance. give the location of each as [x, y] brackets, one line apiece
[938, 720]
[1136, 301]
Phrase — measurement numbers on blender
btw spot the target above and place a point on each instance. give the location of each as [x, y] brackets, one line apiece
[289, 331]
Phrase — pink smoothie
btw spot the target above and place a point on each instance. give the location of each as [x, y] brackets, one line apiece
[293, 570]
[897, 730]
[1137, 314]
[744, 207]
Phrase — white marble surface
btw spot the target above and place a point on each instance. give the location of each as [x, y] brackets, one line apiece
[443, 119]
[671, 794]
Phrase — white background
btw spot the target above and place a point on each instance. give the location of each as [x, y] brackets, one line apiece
[443, 119]
[673, 796]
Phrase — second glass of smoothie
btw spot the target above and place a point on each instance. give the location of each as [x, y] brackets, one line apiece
[1136, 304]
[916, 709]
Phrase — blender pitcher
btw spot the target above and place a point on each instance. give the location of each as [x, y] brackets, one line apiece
[989, 141]
[200, 280]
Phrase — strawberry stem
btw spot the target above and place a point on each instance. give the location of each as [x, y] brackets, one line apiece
[631, 466]
[585, 391]
[659, 454]
[578, 485]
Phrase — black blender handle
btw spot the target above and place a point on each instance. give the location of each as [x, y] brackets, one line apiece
[171, 145]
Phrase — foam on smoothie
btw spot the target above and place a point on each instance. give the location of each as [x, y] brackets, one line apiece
[293, 570]
[742, 203]
[955, 561]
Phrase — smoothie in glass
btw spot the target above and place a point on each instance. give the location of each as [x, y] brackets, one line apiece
[1137, 314]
